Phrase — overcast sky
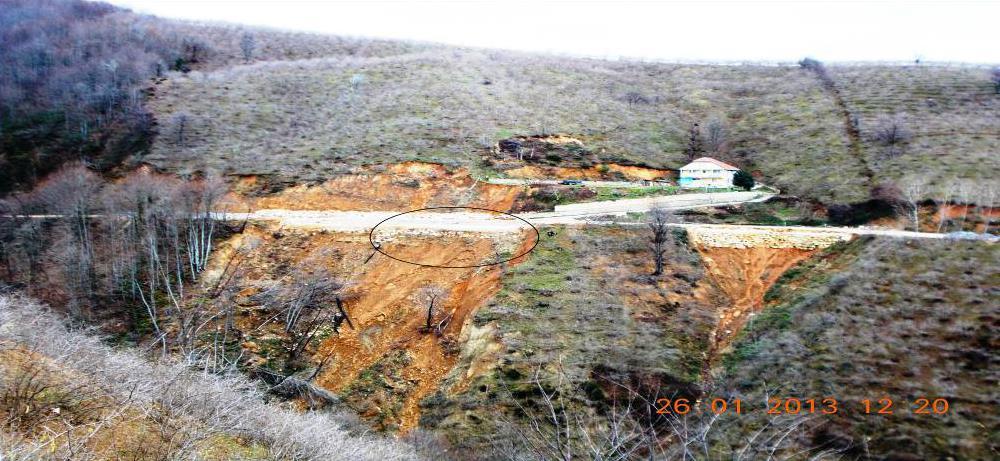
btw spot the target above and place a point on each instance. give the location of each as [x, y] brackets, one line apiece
[664, 30]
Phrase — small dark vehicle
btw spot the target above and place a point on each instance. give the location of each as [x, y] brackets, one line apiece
[571, 182]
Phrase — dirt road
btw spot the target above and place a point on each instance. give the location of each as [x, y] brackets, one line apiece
[472, 221]
[430, 222]
[556, 182]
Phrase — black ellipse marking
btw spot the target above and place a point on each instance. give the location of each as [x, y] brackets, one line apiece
[378, 248]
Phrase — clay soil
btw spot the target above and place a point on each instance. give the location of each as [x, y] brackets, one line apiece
[609, 171]
[744, 275]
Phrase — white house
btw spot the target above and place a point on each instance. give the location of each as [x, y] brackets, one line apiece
[707, 172]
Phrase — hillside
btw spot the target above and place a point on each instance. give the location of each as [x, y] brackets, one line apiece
[874, 320]
[306, 120]
[229, 242]
[75, 74]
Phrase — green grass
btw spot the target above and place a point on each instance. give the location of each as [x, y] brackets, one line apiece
[612, 193]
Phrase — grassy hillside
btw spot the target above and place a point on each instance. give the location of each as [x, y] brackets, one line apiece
[307, 120]
[584, 317]
[73, 76]
[897, 319]
[948, 117]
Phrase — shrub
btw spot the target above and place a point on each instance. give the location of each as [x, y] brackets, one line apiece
[743, 180]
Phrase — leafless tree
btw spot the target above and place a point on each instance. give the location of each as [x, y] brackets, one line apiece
[21, 238]
[943, 195]
[248, 44]
[659, 225]
[160, 243]
[635, 98]
[716, 136]
[695, 146]
[194, 49]
[306, 303]
[72, 192]
[891, 132]
[179, 124]
[913, 190]
[428, 295]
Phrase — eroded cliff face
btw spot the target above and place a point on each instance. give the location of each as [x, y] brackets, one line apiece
[744, 263]
[744, 275]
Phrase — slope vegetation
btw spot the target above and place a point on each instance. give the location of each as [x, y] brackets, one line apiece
[878, 319]
[306, 120]
[66, 395]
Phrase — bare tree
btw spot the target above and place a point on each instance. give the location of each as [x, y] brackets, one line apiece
[659, 221]
[248, 44]
[943, 196]
[695, 146]
[72, 192]
[715, 136]
[194, 49]
[913, 189]
[305, 303]
[428, 295]
[179, 123]
[891, 132]
[635, 98]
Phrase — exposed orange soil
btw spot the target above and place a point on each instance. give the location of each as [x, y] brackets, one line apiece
[386, 311]
[403, 186]
[634, 173]
[968, 213]
[388, 317]
[745, 275]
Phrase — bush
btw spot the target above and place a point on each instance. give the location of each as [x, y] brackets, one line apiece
[743, 180]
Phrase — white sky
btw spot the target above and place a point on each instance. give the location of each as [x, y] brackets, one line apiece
[664, 30]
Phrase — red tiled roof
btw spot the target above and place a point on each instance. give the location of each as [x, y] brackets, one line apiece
[713, 161]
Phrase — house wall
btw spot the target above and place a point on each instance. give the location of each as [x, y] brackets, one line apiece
[706, 177]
